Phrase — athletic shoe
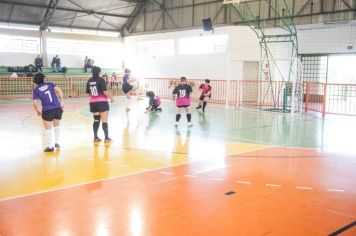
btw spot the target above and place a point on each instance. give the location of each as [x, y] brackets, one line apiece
[198, 107]
[107, 142]
[127, 109]
[159, 109]
[176, 125]
[49, 149]
[190, 124]
[97, 141]
[57, 146]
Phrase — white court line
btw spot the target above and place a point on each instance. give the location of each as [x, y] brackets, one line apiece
[274, 185]
[243, 182]
[335, 190]
[217, 179]
[166, 173]
[190, 176]
[303, 188]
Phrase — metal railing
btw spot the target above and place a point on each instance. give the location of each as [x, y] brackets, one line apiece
[21, 88]
[330, 98]
[244, 94]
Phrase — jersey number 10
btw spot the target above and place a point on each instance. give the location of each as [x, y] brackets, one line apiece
[93, 91]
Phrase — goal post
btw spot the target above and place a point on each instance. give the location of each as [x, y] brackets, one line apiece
[274, 85]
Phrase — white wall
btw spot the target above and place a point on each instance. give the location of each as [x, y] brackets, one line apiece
[327, 38]
[113, 60]
[243, 44]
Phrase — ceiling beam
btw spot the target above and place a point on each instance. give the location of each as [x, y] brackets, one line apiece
[12, 9]
[95, 15]
[58, 25]
[139, 8]
[49, 14]
[63, 9]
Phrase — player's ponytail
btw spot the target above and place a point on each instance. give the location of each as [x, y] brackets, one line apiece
[96, 71]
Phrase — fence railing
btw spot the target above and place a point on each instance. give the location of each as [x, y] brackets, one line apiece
[21, 88]
[245, 94]
[330, 98]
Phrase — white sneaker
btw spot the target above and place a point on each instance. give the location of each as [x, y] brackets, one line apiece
[176, 125]
[190, 124]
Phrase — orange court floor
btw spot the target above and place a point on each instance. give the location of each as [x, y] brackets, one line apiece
[233, 173]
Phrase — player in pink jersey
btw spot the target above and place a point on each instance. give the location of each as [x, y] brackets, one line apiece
[181, 94]
[154, 102]
[205, 96]
[99, 106]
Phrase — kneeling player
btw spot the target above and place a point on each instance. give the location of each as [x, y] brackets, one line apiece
[154, 102]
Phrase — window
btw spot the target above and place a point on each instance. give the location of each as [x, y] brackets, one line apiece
[156, 48]
[67, 47]
[19, 44]
[31, 46]
[79, 47]
[53, 46]
[85, 32]
[203, 44]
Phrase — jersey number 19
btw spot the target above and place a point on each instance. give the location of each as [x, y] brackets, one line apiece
[182, 93]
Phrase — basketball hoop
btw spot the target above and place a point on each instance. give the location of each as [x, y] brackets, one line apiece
[233, 2]
[266, 71]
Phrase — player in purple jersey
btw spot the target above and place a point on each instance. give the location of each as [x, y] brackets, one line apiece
[127, 87]
[181, 94]
[52, 109]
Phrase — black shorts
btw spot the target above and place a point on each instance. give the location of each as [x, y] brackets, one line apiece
[184, 106]
[126, 87]
[99, 107]
[201, 98]
[53, 114]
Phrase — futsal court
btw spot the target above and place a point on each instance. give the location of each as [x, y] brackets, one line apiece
[270, 149]
[233, 173]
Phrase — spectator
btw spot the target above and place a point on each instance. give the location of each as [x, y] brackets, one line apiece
[39, 63]
[56, 64]
[114, 82]
[88, 63]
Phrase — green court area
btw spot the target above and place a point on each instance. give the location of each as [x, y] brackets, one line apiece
[266, 128]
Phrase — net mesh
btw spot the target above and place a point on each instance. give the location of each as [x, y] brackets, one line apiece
[276, 86]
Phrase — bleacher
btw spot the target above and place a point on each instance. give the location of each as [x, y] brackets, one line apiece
[70, 72]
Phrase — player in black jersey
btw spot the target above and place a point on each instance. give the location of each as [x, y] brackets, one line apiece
[181, 94]
[99, 106]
